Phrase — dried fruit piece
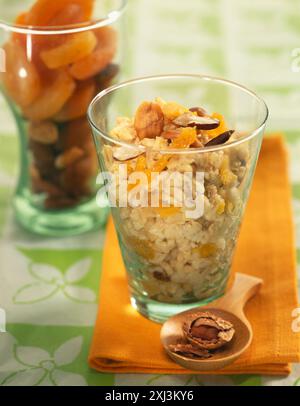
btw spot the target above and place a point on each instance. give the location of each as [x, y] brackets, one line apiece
[100, 58]
[201, 122]
[71, 14]
[206, 250]
[105, 78]
[173, 110]
[77, 133]
[222, 127]
[73, 49]
[171, 134]
[68, 157]
[52, 98]
[60, 202]
[43, 156]
[41, 186]
[77, 105]
[226, 175]
[208, 331]
[141, 247]
[44, 132]
[189, 351]
[149, 120]
[220, 139]
[44, 11]
[186, 138]
[76, 179]
[167, 211]
[21, 79]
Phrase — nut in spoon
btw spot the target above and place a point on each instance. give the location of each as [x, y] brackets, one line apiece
[231, 308]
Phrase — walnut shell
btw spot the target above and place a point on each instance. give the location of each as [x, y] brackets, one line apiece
[207, 330]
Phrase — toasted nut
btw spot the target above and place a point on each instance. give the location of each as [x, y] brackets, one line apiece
[42, 186]
[68, 158]
[199, 110]
[149, 120]
[77, 179]
[202, 123]
[44, 132]
[43, 156]
[124, 153]
[220, 139]
[208, 331]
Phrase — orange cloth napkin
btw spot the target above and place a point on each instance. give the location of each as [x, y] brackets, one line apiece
[126, 342]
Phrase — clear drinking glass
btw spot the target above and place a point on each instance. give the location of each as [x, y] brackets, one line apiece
[175, 262]
[58, 55]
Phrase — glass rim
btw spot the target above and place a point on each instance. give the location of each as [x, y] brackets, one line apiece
[110, 18]
[118, 86]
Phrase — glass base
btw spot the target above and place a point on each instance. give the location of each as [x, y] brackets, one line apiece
[160, 312]
[69, 222]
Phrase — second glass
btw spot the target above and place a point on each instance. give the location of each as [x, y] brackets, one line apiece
[59, 55]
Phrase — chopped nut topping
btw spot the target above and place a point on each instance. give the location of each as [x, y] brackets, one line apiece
[220, 139]
[202, 123]
[149, 120]
[123, 153]
[199, 110]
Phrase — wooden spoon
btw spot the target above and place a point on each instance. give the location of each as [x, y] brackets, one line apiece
[229, 307]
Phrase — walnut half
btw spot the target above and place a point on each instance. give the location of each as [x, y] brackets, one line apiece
[149, 120]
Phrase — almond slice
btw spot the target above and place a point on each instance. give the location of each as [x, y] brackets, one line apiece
[123, 153]
[202, 123]
[220, 139]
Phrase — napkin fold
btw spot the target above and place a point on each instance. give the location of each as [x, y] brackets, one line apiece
[126, 342]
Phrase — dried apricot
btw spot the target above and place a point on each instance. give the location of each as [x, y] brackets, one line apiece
[222, 128]
[21, 78]
[100, 58]
[78, 104]
[74, 48]
[44, 11]
[186, 138]
[71, 14]
[167, 211]
[52, 98]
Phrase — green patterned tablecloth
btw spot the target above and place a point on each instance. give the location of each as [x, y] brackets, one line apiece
[49, 287]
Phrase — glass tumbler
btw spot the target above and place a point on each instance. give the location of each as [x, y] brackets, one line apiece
[56, 56]
[179, 256]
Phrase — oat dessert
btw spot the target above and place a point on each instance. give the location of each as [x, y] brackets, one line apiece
[171, 257]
